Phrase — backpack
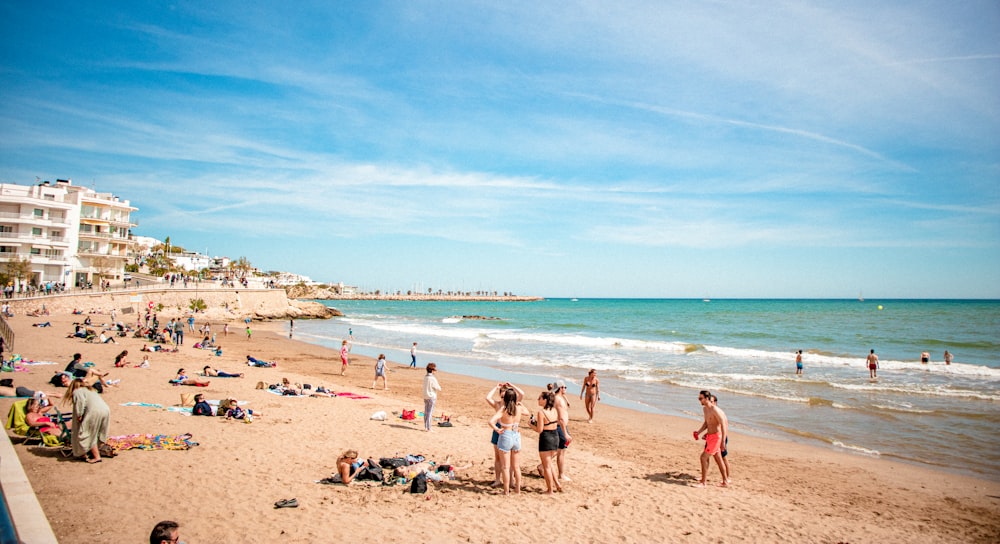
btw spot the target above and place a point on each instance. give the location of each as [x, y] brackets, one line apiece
[419, 483]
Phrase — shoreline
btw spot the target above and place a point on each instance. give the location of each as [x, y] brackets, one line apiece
[632, 471]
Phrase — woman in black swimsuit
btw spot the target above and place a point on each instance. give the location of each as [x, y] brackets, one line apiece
[544, 422]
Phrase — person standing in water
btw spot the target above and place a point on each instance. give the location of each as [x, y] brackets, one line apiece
[872, 361]
[798, 363]
[947, 357]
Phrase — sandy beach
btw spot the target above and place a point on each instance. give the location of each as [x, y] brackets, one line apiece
[633, 473]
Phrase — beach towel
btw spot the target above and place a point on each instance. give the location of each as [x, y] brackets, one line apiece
[351, 396]
[146, 404]
[151, 442]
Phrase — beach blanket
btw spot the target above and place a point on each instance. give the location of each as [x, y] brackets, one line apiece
[281, 394]
[151, 442]
[351, 396]
[146, 404]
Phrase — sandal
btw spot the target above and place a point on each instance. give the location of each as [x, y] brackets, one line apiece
[287, 503]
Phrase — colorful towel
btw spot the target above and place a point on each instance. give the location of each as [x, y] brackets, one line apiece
[352, 396]
[151, 442]
[146, 404]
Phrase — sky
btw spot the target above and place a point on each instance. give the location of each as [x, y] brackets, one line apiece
[774, 149]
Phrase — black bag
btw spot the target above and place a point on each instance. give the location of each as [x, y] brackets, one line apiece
[392, 462]
[370, 472]
[419, 484]
[7, 382]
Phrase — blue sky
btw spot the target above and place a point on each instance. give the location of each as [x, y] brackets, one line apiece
[633, 149]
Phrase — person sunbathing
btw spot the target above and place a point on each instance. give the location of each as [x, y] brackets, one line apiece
[430, 468]
[35, 416]
[253, 361]
[348, 466]
[235, 412]
[21, 391]
[209, 371]
[184, 379]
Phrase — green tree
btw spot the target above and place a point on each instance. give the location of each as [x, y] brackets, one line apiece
[197, 305]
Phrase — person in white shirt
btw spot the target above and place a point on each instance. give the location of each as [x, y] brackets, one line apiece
[431, 387]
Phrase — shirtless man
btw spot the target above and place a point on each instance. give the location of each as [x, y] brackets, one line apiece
[562, 412]
[717, 426]
[872, 361]
[592, 388]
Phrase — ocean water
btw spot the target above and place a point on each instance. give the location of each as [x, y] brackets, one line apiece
[655, 355]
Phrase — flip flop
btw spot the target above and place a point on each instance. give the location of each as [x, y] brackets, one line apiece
[287, 503]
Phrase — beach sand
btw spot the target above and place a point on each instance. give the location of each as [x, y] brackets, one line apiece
[633, 473]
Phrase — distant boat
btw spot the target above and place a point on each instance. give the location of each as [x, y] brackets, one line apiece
[706, 300]
[574, 300]
[860, 297]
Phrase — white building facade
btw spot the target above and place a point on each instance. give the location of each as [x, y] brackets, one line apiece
[70, 235]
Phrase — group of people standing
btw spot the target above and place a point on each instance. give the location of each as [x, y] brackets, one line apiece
[550, 420]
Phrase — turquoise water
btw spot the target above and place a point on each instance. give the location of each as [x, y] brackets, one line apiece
[656, 354]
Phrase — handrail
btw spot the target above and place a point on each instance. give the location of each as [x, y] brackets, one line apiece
[8, 335]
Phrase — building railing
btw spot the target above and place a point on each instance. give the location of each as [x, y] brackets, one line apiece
[8, 335]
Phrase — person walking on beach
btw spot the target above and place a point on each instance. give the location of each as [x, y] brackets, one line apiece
[725, 443]
[798, 363]
[291, 326]
[717, 429]
[947, 357]
[343, 357]
[380, 372]
[413, 356]
[872, 365]
[225, 329]
[431, 387]
[592, 388]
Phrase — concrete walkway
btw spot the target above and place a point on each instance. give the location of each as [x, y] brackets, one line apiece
[26, 513]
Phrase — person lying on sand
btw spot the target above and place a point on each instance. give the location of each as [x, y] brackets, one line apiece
[253, 361]
[432, 469]
[209, 371]
[184, 379]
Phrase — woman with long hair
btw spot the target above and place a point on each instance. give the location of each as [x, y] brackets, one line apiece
[91, 417]
[544, 422]
[509, 443]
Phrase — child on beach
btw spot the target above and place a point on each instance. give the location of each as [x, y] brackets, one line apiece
[380, 372]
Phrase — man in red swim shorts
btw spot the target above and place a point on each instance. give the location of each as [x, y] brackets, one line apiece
[717, 426]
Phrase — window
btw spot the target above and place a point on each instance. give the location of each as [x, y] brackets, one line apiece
[39, 213]
[6, 228]
[54, 253]
[36, 251]
[8, 249]
[36, 231]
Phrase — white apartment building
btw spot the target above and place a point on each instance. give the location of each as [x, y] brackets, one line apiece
[72, 235]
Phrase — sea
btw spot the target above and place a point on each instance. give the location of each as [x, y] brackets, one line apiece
[656, 354]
